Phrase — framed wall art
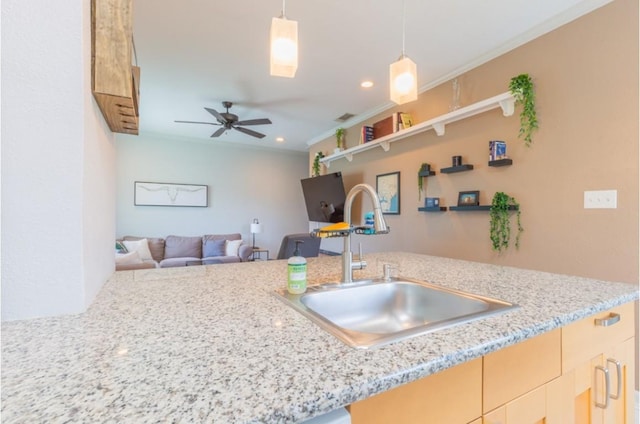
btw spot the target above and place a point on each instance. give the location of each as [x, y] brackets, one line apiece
[388, 189]
[168, 194]
[468, 198]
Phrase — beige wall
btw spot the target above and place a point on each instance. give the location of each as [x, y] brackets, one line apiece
[586, 78]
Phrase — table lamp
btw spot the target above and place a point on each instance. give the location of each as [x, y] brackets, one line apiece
[256, 227]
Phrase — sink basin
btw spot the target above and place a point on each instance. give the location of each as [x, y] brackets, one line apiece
[375, 312]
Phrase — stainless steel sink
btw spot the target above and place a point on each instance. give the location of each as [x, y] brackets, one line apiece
[376, 312]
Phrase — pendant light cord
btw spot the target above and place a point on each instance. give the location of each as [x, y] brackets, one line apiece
[284, 16]
[403, 24]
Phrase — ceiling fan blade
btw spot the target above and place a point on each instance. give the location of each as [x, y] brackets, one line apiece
[215, 113]
[196, 122]
[262, 121]
[249, 132]
[219, 132]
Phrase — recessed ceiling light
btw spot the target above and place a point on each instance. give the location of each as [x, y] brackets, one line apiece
[280, 139]
[366, 84]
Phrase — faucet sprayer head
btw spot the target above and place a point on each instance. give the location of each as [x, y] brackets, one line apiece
[379, 224]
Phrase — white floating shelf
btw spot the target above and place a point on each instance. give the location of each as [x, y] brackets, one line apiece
[505, 101]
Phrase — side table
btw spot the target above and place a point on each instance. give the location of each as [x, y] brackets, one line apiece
[256, 255]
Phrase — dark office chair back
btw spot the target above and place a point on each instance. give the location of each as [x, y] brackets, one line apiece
[309, 248]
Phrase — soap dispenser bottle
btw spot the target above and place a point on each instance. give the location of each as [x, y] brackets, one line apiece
[297, 272]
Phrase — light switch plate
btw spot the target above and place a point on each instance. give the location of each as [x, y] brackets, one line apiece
[601, 199]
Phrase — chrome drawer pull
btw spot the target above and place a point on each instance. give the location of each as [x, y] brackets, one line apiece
[607, 385]
[618, 376]
[605, 322]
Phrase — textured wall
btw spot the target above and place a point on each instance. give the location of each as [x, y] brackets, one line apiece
[57, 162]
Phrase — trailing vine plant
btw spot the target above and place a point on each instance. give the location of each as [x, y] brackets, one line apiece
[521, 87]
[423, 168]
[316, 164]
[500, 224]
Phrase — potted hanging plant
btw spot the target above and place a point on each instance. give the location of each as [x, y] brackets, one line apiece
[422, 172]
[316, 164]
[500, 222]
[521, 87]
[339, 139]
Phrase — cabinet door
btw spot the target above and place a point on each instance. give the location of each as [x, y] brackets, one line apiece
[594, 402]
[548, 404]
[453, 396]
[620, 364]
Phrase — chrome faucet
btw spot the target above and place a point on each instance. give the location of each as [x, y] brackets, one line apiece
[379, 225]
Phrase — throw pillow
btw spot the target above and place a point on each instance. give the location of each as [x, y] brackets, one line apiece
[130, 258]
[231, 247]
[120, 247]
[140, 246]
[214, 248]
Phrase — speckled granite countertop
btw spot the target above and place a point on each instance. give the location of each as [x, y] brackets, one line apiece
[212, 344]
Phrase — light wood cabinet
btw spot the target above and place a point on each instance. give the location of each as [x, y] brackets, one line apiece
[114, 81]
[451, 396]
[599, 352]
[555, 378]
[548, 404]
[595, 403]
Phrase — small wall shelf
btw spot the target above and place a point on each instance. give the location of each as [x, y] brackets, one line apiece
[477, 208]
[433, 209]
[426, 173]
[500, 162]
[459, 168]
[505, 101]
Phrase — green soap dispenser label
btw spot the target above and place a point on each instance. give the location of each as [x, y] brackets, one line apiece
[297, 278]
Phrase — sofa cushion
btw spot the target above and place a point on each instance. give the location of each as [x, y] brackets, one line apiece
[220, 260]
[139, 246]
[183, 246]
[213, 248]
[156, 246]
[175, 262]
[231, 247]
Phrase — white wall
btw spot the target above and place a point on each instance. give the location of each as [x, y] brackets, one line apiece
[244, 183]
[57, 163]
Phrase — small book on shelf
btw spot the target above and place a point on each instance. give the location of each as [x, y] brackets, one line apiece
[497, 150]
[366, 134]
[383, 127]
[406, 121]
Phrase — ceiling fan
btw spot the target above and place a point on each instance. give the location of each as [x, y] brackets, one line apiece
[229, 120]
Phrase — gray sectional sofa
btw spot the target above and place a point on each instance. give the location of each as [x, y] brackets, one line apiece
[175, 251]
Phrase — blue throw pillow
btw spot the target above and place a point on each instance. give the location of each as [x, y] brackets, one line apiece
[213, 248]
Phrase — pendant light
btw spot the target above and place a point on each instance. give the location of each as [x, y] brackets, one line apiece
[284, 46]
[403, 75]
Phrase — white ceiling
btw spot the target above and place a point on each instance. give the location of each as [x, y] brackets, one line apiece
[198, 53]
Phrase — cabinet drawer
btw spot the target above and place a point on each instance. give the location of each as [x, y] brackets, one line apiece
[585, 339]
[518, 369]
[452, 396]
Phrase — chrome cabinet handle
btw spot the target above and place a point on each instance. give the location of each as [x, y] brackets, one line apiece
[610, 320]
[618, 376]
[607, 385]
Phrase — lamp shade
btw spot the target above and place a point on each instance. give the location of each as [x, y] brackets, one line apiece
[284, 47]
[403, 81]
[256, 228]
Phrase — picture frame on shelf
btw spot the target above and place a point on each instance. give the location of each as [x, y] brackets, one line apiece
[469, 198]
[388, 190]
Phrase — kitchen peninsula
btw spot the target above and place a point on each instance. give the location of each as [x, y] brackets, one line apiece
[213, 344]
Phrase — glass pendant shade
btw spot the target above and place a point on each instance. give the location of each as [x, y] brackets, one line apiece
[284, 47]
[403, 81]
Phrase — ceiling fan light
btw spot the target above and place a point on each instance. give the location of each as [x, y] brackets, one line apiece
[403, 81]
[284, 47]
